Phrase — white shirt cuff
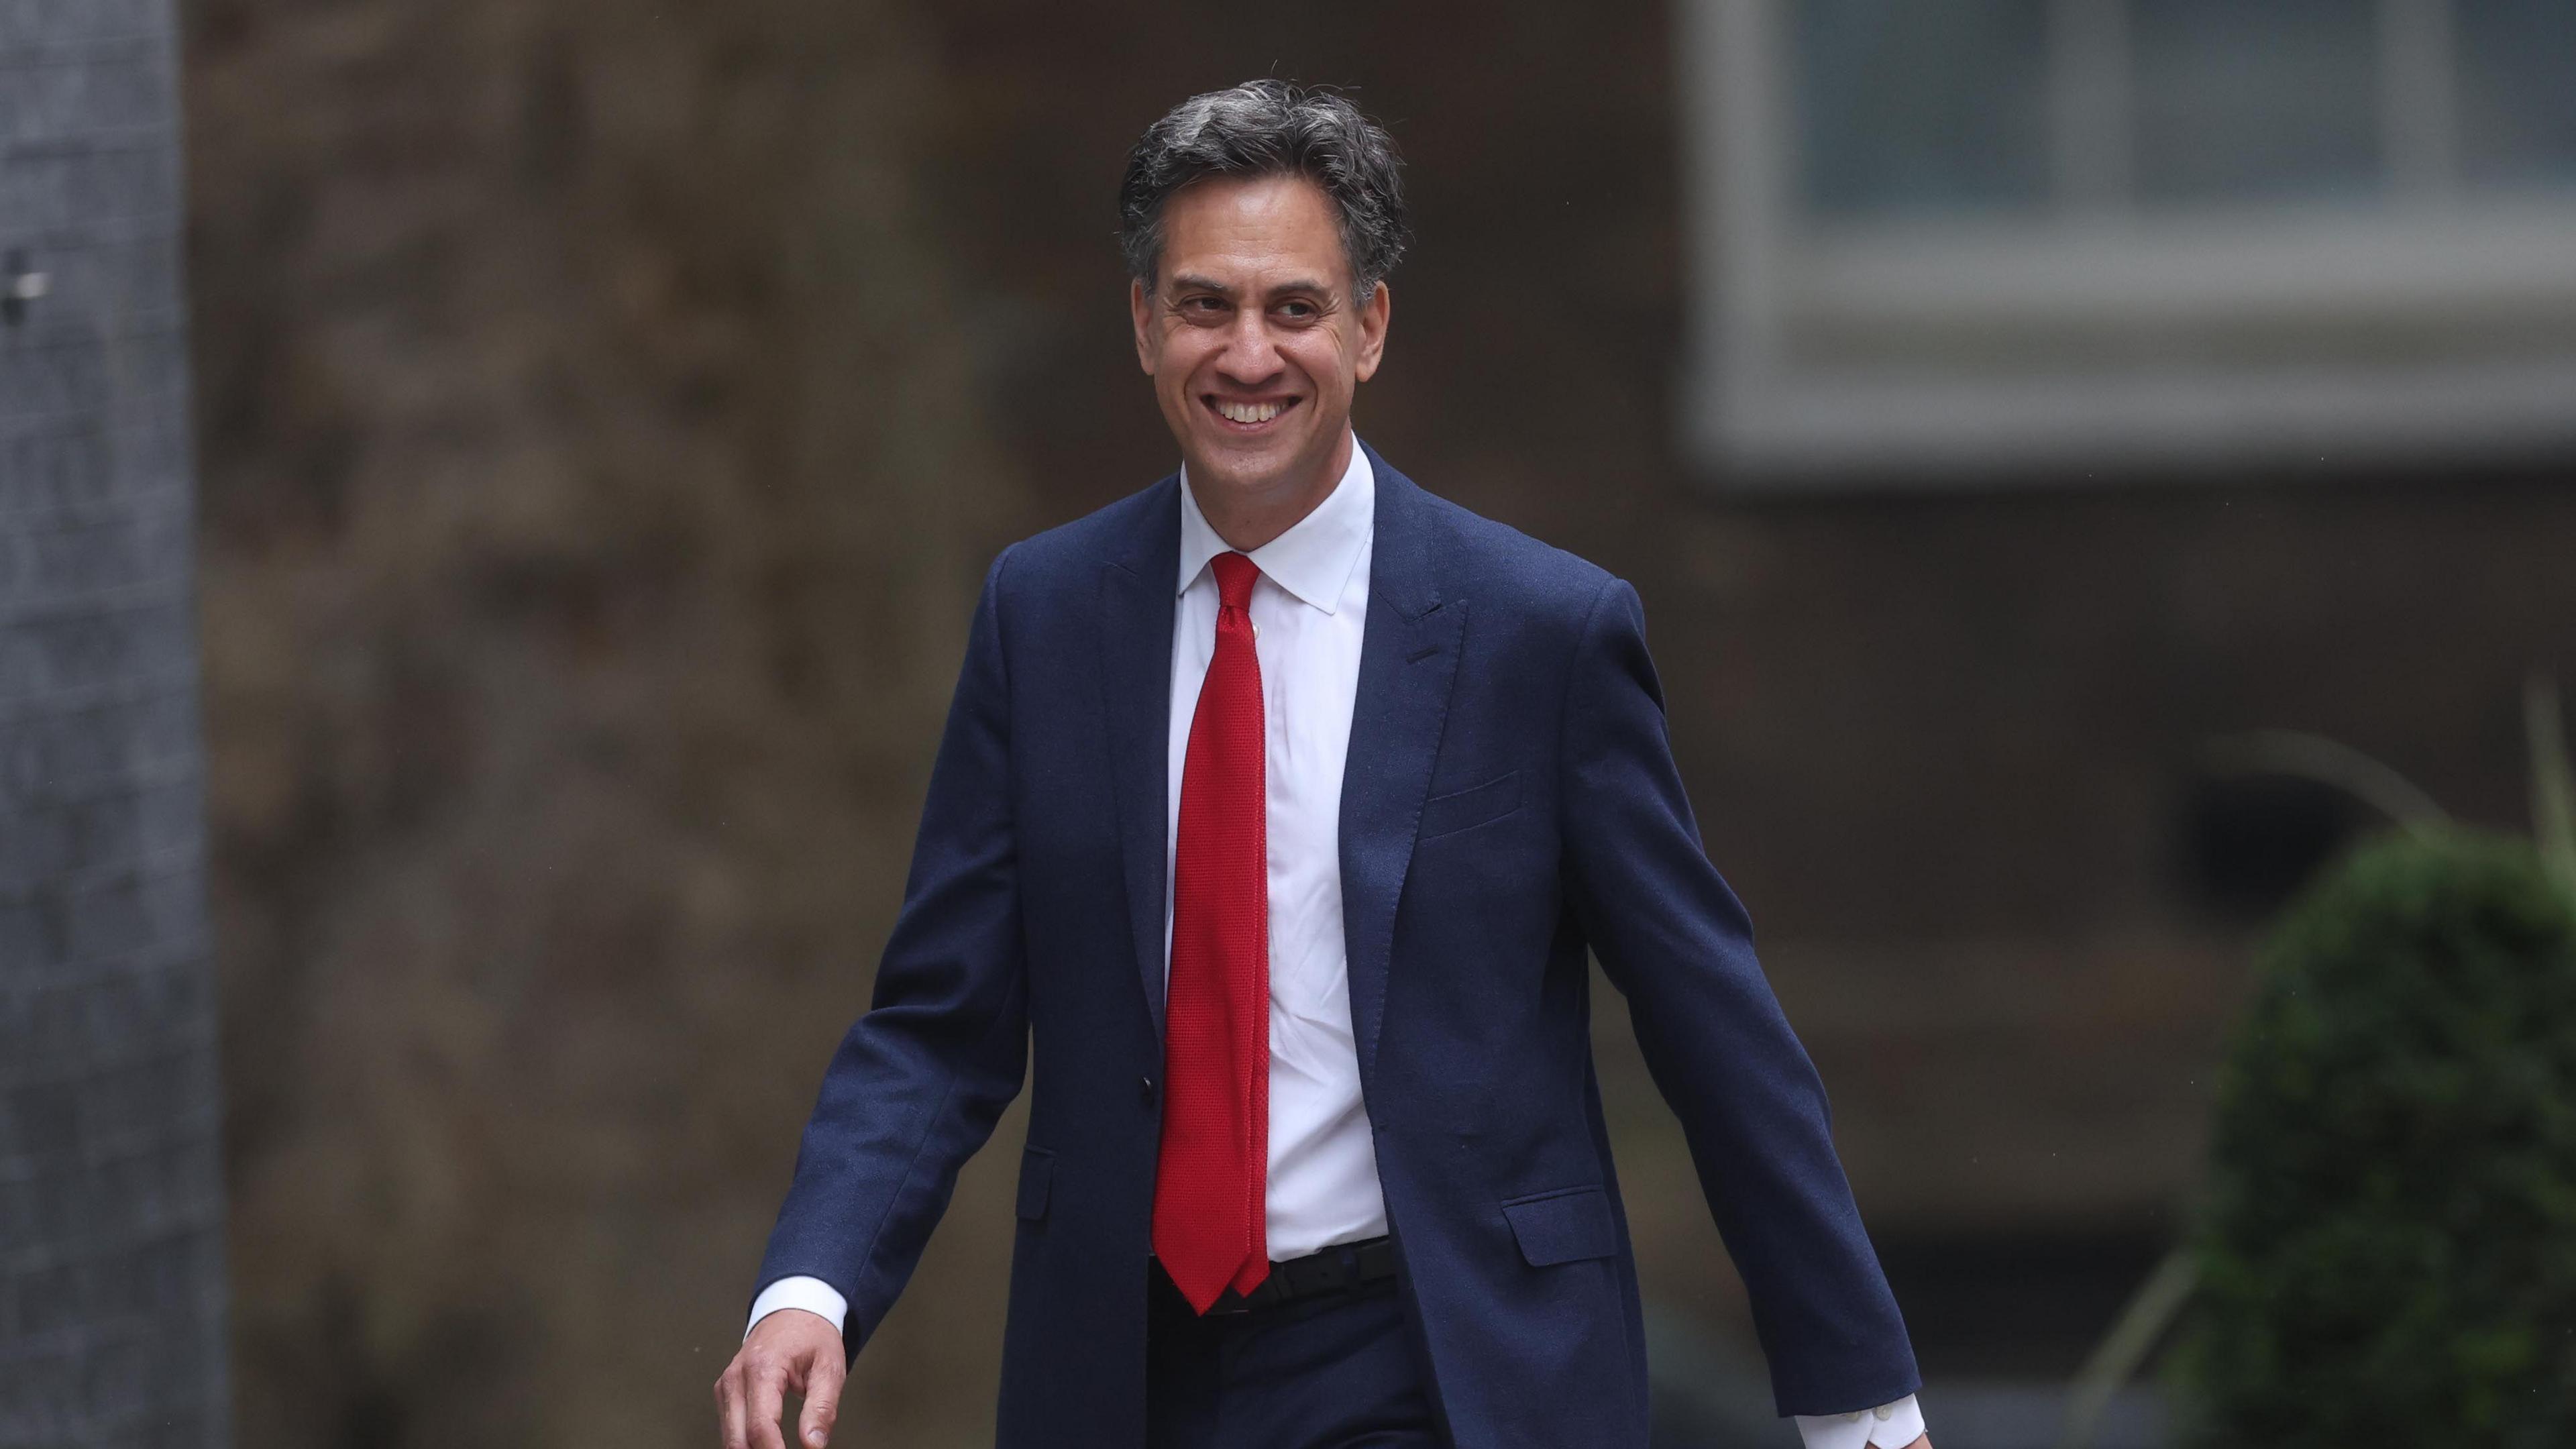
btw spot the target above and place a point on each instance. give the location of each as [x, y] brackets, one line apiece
[811, 1294]
[1889, 1426]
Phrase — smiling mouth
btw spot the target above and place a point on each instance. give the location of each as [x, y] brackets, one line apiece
[1248, 417]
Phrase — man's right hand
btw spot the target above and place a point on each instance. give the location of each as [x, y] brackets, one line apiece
[791, 1350]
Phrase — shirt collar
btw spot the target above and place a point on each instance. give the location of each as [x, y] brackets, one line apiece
[1314, 558]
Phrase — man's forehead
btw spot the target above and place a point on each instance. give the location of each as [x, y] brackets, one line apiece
[1267, 233]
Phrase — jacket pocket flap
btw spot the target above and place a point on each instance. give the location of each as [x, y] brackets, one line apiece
[1037, 1172]
[1459, 809]
[1562, 1226]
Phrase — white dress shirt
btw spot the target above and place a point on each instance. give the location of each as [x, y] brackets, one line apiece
[1309, 615]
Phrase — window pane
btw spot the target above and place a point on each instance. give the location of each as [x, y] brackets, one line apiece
[2517, 90]
[1909, 107]
[2250, 99]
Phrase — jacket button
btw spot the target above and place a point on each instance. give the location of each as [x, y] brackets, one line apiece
[1145, 1088]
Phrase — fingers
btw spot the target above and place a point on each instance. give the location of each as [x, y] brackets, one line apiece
[797, 1353]
[731, 1414]
[748, 1399]
[823, 1379]
[768, 1391]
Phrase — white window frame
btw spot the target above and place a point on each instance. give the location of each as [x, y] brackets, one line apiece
[2432, 328]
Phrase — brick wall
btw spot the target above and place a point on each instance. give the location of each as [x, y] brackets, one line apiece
[592, 507]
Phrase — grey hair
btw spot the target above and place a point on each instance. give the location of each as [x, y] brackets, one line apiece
[1269, 128]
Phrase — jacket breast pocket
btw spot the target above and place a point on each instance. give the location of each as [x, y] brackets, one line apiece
[1476, 805]
[1037, 1174]
[1563, 1225]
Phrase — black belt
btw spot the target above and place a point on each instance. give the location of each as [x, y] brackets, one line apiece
[1332, 1269]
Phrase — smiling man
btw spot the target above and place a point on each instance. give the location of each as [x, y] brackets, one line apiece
[1282, 805]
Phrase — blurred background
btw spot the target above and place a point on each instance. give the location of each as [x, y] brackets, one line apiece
[495, 761]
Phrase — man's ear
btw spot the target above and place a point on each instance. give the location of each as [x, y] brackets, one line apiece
[1140, 310]
[1373, 320]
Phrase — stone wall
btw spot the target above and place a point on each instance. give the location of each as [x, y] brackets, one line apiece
[111, 1210]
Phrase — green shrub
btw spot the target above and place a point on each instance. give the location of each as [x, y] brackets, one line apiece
[2388, 1252]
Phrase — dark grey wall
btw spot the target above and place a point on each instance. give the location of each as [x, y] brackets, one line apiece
[111, 1208]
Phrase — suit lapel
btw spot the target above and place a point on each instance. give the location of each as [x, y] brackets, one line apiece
[1408, 659]
[1136, 605]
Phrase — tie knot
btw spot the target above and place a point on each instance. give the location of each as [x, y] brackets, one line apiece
[1234, 576]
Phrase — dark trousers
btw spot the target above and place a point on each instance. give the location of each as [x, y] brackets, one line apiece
[1333, 1371]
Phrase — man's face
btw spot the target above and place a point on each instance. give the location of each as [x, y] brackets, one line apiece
[1252, 336]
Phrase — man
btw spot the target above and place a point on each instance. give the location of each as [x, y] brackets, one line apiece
[1281, 804]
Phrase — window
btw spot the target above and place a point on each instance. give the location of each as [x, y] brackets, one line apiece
[2048, 239]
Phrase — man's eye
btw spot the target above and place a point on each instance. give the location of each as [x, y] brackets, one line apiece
[1298, 311]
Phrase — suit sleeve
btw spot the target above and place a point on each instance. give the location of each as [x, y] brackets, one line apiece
[920, 1079]
[1672, 937]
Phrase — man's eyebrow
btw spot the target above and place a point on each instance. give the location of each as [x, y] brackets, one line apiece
[1188, 282]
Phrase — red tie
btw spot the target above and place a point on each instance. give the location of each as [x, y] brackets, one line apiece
[1209, 1184]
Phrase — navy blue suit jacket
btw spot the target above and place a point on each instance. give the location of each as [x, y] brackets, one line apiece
[1510, 802]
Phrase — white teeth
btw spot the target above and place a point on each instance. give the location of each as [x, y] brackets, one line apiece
[1251, 412]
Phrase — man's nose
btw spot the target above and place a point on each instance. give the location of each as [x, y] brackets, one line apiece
[1251, 358]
